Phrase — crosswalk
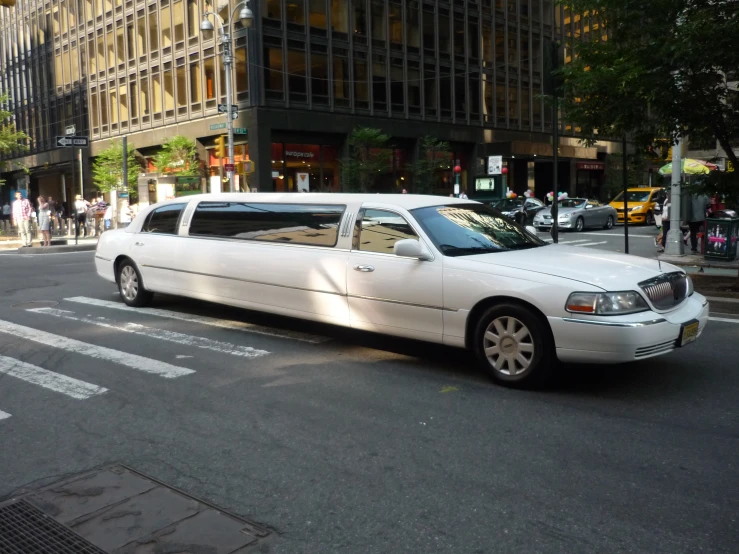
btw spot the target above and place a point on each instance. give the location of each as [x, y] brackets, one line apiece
[110, 320]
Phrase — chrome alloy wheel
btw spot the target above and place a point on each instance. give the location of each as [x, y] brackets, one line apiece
[509, 346]
[129, 283]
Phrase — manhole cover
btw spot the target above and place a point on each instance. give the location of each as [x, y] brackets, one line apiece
[36, 304]
[26, 529]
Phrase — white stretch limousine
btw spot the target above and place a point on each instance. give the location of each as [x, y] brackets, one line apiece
[438, 269]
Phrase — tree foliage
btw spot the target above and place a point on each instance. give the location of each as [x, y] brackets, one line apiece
[661, 72]
[178, 155]
[424, 168]
[12, 141]
[368, 155]
[107, 168]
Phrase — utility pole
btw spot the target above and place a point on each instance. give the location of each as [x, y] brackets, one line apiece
[674, 242]
[626, 198]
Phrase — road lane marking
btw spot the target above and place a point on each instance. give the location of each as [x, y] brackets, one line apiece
[620, 235]
[572, 241]
[723, 319]
[592, 243]
[4, 415]
[147, 365]
[48, 379]
[203, 320]
[151, 332]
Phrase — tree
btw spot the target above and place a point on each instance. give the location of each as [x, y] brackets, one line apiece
[424, 168]
[368, 155]
[12, 141]
[107, 168]
[661, 73]
[178, 155]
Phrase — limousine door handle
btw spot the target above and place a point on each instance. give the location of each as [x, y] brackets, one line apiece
[139, 244]
[364, 268]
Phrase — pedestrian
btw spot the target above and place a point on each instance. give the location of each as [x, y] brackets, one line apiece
[405, 191]
[44, 221]
[108, 216]
[22, 210]
[80, 210]
[699, 206]
[125, 215]
[463, 196]
[665, 222]
[5, 215]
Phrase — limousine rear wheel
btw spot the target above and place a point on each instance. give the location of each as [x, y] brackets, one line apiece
[514, 346]
[131, 286]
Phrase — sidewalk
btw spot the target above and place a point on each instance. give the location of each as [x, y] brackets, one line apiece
[58, 244]
[709, 266]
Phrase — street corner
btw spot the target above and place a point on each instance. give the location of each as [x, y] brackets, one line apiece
[116, 509]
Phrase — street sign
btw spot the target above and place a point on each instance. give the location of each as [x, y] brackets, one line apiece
[216, 126]
[240, 131]
[235, 113]
[67, 142]
[223, 108]
[495, 165]
[248, 167]
[70, 130]
[229, 167]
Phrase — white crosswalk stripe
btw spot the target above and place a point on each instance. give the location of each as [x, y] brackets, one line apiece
[572, 241]
[147, 365]
[171, 336]
[48, 379]
[591, 243]
[203, 320]
[4, 415]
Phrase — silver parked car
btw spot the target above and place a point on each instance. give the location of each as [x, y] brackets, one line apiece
[577, 214]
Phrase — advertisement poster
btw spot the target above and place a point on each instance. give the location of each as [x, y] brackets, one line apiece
[303, 181]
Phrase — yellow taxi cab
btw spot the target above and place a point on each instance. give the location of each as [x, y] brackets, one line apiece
[641, 203]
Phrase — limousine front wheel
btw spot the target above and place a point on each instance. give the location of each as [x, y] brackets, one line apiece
[513, 345]
[130, 285]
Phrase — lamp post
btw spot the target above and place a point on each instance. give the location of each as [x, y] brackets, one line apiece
[226, 31]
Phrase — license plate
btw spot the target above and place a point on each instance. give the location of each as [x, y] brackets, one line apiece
[689, 332]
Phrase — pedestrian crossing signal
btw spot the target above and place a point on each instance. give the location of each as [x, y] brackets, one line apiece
[245, 167]
[220, 145]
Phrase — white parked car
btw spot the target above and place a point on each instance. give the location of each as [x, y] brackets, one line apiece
[437, 269]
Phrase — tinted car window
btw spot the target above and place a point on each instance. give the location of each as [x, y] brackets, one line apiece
[164, 220]
[467, 229]
[289, 223]
[379, 230]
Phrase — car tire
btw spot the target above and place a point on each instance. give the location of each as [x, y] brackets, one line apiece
[514, 346]
[650, 218]
[609, 223]
[130, 285]
[579, 224]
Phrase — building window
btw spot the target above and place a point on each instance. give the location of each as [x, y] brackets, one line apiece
[361, 81]
[169, 100]
[134, 99]
[397, 86]
[178, 20]
[196, 94]
[359, 19]
[319, 76]
[378, 20]
[430, 85]
[271, 9]
[341, 79]
[339, 16]
[193, 19]
[242, 76]
[296, 83]
[156, 94]
[181, 89]
[395, 22]
[379, 82]
[144, 99]
[273, 73]
[210, 78]
[295, 12]
[166, 23]
[317, 14]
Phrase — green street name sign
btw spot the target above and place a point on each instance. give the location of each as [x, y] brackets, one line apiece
[240, 131]
[215, 126]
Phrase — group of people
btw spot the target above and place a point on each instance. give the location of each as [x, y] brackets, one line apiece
[699, 207]
[91, 217]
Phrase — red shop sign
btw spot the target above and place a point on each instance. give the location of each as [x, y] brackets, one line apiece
[591, 166]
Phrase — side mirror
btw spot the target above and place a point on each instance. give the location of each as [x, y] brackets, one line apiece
[531, 229]
[411, 248]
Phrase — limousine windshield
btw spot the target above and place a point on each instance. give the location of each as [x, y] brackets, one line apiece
[468, 229]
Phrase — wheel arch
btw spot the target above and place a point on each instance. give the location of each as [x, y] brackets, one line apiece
[483, 305]
[117, 265]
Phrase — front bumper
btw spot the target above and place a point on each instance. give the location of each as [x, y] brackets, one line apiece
[105, 268]
[633, 218]
[547, 223]
[615, 340]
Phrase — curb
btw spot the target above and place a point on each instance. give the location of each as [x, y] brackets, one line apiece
[714, 264]
[39, 250]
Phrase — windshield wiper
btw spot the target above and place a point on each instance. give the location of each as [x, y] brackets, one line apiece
[450, 250]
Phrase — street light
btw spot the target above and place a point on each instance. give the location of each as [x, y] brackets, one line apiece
[226, 30]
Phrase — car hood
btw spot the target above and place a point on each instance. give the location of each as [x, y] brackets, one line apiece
[620, 205]
[608, 270]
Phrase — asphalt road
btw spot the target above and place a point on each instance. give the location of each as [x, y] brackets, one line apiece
[353, 443]
[641, 239]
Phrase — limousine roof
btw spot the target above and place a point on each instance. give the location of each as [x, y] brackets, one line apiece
[407, 201]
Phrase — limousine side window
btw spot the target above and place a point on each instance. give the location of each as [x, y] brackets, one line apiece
[163, 220]
[315, 225]
[379, 230]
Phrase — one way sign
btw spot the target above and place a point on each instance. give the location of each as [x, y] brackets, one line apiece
[66, 142]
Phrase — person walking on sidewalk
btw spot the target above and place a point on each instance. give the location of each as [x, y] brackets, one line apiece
[22, 210]
[80, 210]
[5, 214]
[44, 221]
[699, 206]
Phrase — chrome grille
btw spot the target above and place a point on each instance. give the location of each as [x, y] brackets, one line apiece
[666, 291]
[654, 350]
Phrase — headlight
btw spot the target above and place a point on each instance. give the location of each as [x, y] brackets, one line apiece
[565, 216]
[635, 208]
[606, 303]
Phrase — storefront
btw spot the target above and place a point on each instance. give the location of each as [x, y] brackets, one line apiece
[305, 167]
[589, 180]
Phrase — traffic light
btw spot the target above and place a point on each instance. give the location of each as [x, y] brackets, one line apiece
[220, 145]
[7, 3]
